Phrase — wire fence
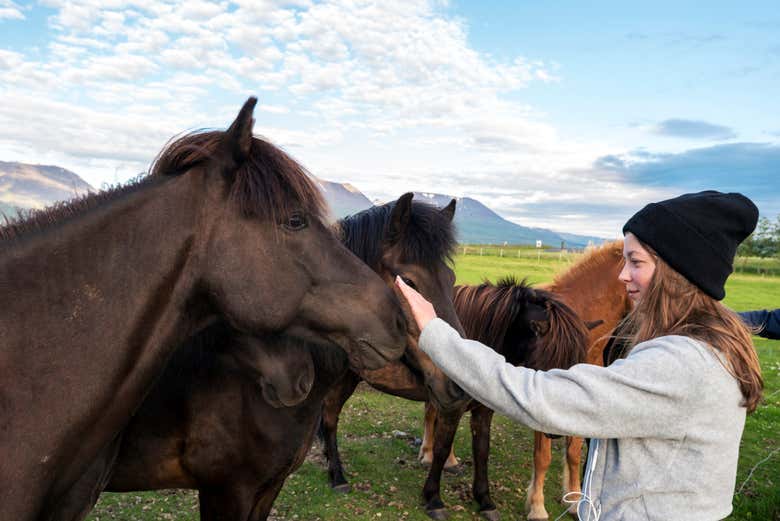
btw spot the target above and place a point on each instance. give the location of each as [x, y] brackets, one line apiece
[764, 266]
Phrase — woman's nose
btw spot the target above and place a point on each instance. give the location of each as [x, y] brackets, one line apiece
[624, 275]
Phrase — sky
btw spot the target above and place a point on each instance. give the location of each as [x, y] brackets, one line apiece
[565, 115]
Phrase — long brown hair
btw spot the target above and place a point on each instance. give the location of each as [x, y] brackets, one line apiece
[674, 306]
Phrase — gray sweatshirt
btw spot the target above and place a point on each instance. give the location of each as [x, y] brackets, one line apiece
[665, 422]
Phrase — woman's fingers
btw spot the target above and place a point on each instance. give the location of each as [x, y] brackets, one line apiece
[422, 310]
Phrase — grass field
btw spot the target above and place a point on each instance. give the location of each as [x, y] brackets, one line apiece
[377, 439]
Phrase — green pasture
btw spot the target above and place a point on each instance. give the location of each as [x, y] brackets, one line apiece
[377, 439]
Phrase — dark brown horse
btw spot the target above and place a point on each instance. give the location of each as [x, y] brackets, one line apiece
[414, 241]
[422, 258]
[526, 325]
[96, 295]
[209, 425]
[209, 429]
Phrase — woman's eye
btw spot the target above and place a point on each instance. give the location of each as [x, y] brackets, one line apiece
[296, 222]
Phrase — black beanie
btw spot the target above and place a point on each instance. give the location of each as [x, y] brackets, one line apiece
[697, 234]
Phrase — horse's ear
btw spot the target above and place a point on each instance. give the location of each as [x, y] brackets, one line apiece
[399, 219]
[593, 324]
[237, 143]
[539, 319]
[449, 210]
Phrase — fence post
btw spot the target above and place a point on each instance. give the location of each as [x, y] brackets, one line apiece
[480, 252]
[500, 253]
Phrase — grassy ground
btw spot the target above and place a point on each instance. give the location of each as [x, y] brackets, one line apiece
[377, 436]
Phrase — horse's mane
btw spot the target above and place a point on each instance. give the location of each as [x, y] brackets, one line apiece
[29, 221]
[429, 238]
[488, 311]
[268, 184]
[592, 262]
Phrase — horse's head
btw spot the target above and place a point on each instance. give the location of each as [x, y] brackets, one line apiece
[530, 327]
[266, 260]
[414, 241]
[281, 365]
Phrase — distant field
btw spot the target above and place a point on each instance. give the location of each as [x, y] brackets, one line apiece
[383, 468]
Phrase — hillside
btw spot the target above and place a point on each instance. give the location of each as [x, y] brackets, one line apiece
[35, 186]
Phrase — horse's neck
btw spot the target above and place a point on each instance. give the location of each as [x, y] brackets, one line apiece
[101, 277]
[594, 288]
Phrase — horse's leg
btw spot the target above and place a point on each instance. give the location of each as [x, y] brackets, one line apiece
[331, 409]
[79, 501]
[481, 418]
[571, 470]
[445, 428]
[233, 501]
[265, 500]
[426, 447]
[542, 458]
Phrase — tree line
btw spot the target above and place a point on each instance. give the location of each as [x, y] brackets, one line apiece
[764, 241]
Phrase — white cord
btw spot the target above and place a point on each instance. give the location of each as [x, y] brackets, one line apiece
[594, 509]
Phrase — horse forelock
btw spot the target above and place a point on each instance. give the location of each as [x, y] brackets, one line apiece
[565, 343]
[428, 240]
[487, 311]
[268, 185]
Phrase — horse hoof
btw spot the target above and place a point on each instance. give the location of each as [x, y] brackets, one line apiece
[490, 515]
[344, 488]
[455, 470]
[439, 514]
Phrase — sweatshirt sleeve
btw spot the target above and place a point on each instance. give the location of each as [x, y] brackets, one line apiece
[647, 394]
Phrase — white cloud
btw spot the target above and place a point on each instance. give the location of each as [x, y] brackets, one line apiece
[10, 10]
[389, 96]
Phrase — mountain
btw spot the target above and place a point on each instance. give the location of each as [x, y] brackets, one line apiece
[35, 186]
[343, 198]
[478, 224]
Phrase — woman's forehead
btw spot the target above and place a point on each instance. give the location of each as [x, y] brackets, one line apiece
[631, 246]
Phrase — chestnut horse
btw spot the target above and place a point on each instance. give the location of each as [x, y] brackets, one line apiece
[592, 289]
[205, 425]
[97, 294]
[529, 327]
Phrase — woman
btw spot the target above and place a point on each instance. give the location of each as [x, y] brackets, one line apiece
[666, 420]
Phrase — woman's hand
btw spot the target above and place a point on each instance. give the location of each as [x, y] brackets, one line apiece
[422, 310]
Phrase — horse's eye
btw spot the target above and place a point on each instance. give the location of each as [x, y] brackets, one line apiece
[409, 282]
[296, 222]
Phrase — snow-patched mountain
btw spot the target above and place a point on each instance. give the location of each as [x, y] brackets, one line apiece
[27, 186]
[475, 222]
[478, 224]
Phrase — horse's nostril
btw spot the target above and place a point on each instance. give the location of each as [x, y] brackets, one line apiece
[303, 384]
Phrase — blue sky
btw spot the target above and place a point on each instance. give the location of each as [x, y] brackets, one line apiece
[568, 116]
